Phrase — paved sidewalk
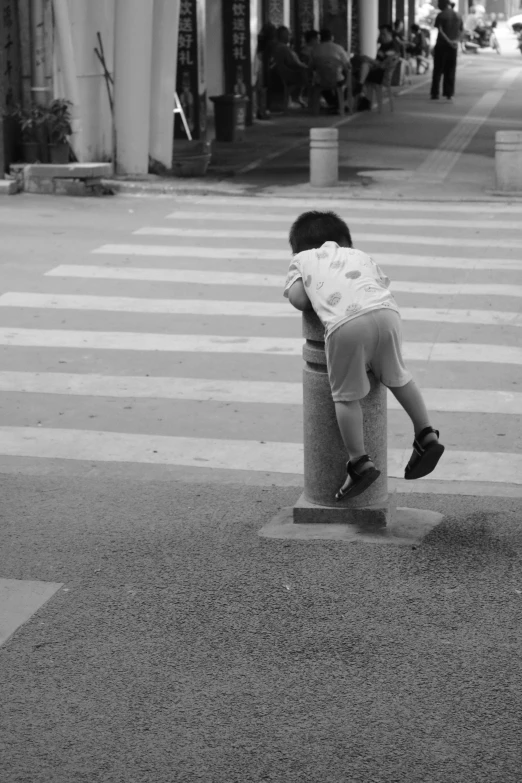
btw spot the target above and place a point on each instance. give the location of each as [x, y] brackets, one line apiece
[424, 149]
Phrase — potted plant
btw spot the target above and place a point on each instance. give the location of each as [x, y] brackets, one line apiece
[30, 120]
[58, 122]
[191, 158]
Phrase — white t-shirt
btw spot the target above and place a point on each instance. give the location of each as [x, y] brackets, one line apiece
[341, 283]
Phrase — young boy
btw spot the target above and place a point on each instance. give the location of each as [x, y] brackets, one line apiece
[349, 293]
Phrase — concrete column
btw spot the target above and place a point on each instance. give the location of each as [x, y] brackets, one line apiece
[39, 86]
[324, 157]
[324, 453]
[163, 79]
[369, 26]
[132, 80]
[399, 10]
[508, 161]
[412, 5]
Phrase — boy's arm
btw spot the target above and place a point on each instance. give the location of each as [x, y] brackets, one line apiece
[298, 296]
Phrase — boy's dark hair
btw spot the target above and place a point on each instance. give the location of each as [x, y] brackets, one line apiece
[313, 229]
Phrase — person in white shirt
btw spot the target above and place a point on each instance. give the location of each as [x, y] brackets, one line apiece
[350, 295]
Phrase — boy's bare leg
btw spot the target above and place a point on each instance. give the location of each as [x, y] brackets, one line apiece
[350, 421]
[412, 401]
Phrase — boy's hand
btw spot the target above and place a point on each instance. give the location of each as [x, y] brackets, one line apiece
[298, 296]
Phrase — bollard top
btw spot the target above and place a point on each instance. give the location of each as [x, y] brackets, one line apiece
[324, 134]
[508, 136]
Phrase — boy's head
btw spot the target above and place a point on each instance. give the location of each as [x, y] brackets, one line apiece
[313, 229]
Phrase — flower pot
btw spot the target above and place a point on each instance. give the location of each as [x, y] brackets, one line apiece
[59, 153]
[31, 151]
[191, 165]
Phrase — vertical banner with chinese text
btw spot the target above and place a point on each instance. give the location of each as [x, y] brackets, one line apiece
[10, 77]
[236, 51]
[190, 78]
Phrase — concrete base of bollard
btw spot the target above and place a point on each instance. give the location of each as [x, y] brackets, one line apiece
[306, 513]
[405, 526]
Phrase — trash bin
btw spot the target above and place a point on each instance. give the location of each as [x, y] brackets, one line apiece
[230, 117]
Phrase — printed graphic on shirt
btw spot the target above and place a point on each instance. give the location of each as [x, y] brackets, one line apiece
[308, 281]
[334, 299]
[353, 275]
[337, 263]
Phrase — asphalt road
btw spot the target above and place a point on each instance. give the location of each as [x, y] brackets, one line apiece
[149, 633]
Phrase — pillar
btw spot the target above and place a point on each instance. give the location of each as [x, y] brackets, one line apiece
[412, 5]
[324, 453]
[304, 20]
[39, 87]
[385, 12]
[65, 48]
[132, 80]
[163, 79]
[399, 10]
[369, 26]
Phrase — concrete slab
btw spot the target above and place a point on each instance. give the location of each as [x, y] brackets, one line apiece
[8, 187]
[406, 526]
[19, 600]
[69, 170]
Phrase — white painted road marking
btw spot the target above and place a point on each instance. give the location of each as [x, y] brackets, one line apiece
[127, 304]
[269, 457]
[439, 163]
[388, 239]
[201, 343]
[19, 600]
[279, 202]
[259, 392]
[355, 220]
[249, 254]
[189, 276]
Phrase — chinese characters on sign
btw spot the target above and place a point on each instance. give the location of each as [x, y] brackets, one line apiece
[237, 51]
[9, 58]
[189, 79]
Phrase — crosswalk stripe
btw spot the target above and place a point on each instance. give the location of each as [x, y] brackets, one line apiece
[276, 281]
[358, 220]
[249, 254]
[283, 346]
[125, 304]
[240, 455]
[313, 202]
[397, 239]
[259, 392]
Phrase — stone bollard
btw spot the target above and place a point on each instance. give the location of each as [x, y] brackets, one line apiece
[324, 157]
[369, 517]
[508, 161]
[324, 452]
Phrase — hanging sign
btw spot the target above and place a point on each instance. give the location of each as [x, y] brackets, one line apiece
[237, 51]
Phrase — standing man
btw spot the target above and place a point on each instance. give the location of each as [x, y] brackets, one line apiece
[450, 26]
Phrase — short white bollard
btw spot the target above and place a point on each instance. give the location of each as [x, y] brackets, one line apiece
[324, 157]
[508, 161]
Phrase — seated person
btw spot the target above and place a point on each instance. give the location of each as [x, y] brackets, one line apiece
[311, 41]
[372, 71]
[330, 65]
[416, 48]
[288, 66]
[398, 35]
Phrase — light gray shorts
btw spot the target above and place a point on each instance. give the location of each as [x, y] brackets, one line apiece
[369, 342]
